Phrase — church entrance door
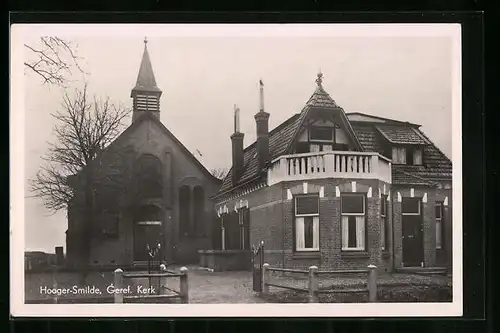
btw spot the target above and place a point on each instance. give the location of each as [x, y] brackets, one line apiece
[148, 241]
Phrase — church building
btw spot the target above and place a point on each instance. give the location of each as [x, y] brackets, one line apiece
[163, 207]
[335, 190]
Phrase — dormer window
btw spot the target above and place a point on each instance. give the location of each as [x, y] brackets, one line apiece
[410, 155]
[322, 134]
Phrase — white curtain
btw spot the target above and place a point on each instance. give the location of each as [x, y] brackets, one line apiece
[399, 155]
[299, 232]
[360, 232]
[438, 234]
[316, 232]
[327, 147]
[345, 232]
[417, 156]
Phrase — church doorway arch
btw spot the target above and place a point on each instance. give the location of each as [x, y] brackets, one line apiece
[148, 233]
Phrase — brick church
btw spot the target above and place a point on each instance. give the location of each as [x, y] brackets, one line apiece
[336, 190]
[165, 210]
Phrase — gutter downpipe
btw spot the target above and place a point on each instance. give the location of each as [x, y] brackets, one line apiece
[392, 231]
[282, 225]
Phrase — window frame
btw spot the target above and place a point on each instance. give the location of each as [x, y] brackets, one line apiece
[404, 148]
[312, 140]
[298, 216]
[365, 231]
[384, 217]
[441, 227]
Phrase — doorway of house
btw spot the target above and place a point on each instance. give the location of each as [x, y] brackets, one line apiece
[413, 249]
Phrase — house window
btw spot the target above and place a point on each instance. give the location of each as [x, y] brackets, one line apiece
[417, 156]
[243, 221]
[383, 223]
[398, 155]
[439, 225]
[353, 222]
[307, 223]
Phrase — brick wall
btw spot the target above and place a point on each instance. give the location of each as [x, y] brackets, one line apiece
[271, 220]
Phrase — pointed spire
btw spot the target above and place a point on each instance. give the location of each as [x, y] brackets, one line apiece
[146, 79]
[320, 98]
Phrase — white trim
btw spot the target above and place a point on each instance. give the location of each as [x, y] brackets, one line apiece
[149, 223]
[424, 198]
[400, 198]
[389, 196]
[445, 202]
[379, 193]
[337, 191]
[322, 192]
[304, 187]
[412, 192]
[353, 185]
[369, 194]
[289, 194]
[384, 189]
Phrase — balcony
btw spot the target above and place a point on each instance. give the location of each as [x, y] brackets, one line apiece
[330, 164]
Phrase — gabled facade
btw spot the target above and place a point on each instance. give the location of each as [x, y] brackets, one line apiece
[334, 190]
[161, 194]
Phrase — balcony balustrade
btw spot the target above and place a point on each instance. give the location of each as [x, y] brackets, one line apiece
[329, 164]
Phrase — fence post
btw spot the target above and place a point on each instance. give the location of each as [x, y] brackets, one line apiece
[372, 283]
[313, 284]
[118, 285]
[163, 279]
[265, 278]
[184, 288]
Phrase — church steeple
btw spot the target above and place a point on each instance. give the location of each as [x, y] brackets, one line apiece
[145, 94]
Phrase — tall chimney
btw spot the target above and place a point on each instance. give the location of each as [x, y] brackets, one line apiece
[237, 142]
[262, 121]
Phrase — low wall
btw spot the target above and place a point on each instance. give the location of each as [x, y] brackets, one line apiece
[226, 260]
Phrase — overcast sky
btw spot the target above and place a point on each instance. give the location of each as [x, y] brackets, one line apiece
[202, 77]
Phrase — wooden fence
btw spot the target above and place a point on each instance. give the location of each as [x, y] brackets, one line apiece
[182, 293]
[313, 283]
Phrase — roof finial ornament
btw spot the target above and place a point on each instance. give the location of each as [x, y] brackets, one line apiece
[319, 80]
[145, 40]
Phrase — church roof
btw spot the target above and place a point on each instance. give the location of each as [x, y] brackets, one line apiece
[146, 81]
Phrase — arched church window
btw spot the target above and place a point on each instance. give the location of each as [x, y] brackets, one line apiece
[199, 210]
[185, 227]
[149, 176]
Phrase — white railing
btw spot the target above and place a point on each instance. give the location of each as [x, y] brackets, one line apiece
[331, 164]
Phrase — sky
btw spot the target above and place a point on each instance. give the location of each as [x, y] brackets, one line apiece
[202, 75]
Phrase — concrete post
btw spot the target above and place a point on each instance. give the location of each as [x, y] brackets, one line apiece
[184, 286]
[118, 285]
[265, 278]
[163, 279]
[372, 283]
[313, 284]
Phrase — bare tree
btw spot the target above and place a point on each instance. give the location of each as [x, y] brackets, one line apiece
[73, 170]
[219, 172]
[53, 59]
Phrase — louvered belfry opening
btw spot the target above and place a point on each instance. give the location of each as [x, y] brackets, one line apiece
[146, 94]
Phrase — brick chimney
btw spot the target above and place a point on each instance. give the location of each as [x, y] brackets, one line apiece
[237, 142]
[262, 121]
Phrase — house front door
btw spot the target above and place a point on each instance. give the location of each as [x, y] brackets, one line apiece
[413, 251]
[147, 236]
